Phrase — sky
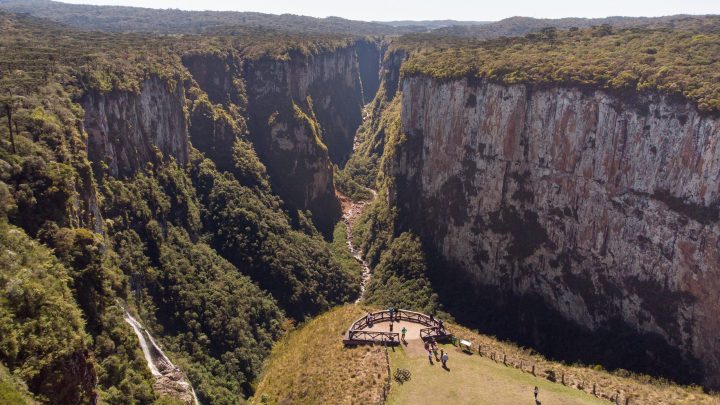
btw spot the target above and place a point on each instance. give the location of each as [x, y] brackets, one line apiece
[478, 10]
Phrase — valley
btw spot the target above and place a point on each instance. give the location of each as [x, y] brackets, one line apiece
[198, 210]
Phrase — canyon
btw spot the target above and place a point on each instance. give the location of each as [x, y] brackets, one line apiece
[596, 207]
[599, 207]
[191, 196]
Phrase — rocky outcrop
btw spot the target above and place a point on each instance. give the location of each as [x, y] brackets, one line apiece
[219, 75]
[302, 115]
[127, 129]
[602, 207]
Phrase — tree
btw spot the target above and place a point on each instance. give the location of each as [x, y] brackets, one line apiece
[8, 112]
[10, 87]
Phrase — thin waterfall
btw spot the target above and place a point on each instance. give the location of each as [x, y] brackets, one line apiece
[158, 363]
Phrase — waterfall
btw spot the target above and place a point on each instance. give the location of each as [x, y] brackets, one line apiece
[158, 363]
[140, 332]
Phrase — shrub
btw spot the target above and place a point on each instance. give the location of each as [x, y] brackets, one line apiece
[401, 375]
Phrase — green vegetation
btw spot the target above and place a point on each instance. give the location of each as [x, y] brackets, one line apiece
[12, 390]
[345, 183]
[215, 264]
[683, 61]
[363, 168]
[42, 338]
[121, 19]
[400, 278]
[226, 341]
[341, 253]
[211, 260]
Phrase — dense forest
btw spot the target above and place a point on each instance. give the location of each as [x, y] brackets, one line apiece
[133, 19]
[212, 260]
[682, 60]
[205, 251]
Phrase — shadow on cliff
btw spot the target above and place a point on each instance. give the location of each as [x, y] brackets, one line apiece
[529, 321]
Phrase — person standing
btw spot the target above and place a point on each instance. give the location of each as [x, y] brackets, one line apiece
[403, 331]
[536, 391]
[430, 356]
[444, 359]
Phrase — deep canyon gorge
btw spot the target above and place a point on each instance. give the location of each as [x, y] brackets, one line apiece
[198, 181]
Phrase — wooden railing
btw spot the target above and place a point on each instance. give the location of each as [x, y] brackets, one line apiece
[359, 333]
[434, 332]
[367, 335]
[398, 315]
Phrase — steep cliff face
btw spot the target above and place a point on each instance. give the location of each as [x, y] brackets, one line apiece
[124, 128]
[370, 56]
[602, 209]
[219, 75]
[302, 116]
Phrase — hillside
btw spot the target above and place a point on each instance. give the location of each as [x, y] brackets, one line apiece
[311, 365]
[173, 21]
[129, 157]
[519, 26]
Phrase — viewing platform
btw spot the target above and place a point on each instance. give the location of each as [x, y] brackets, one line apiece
[375, 328]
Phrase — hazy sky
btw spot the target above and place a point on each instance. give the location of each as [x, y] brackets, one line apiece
[481, 10]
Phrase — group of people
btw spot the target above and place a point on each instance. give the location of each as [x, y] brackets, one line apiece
[394, 316]
[431, 347]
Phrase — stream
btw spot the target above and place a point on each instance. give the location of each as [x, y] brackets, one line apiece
[351, 212]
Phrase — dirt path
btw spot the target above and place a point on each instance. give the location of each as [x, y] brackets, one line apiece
[351, 212]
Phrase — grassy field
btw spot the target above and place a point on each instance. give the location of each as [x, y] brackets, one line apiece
[640, 389]
[311, 365]
[472, 379]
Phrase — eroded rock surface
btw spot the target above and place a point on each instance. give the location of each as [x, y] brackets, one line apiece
[604, 207]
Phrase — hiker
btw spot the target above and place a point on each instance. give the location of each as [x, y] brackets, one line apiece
[391, 326]
[536, 391]
[391, 310]
[430, 357]
[444, 359]
[369, 319]
[435, 352]
[403, 331]
[440, 325]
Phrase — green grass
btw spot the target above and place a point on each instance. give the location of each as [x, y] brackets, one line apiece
[473, 380]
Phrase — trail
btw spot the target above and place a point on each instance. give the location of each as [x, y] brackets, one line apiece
[169, 379]
[351, 212]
